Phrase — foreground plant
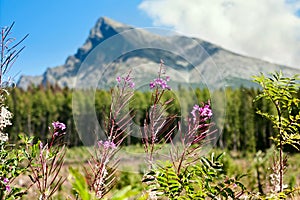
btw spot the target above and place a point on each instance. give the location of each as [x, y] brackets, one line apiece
[5, 159]
[157, 126]
[45, 162]
[100, 174]
[10, 157]
[11, 167]
[281, 92]
[187, 175]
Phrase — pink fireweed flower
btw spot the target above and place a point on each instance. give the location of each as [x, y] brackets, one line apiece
[131, 84]
[59, 125]
[159, 82]
[128, 82]
[118, 79]
[7, 188]
[107, 144]
[5, 180]
[152, 85]
[204, 113]
[59, 128]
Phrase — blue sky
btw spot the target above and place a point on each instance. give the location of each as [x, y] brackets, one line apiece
[268, 29]
[58, 27]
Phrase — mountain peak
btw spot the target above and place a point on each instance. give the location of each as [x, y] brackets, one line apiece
[103, 29]
[106, 27]
[105, 21]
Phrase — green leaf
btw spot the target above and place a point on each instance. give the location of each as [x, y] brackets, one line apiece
[80, 185]
[124, 193]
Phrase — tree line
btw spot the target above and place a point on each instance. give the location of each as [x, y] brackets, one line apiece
[37, 107]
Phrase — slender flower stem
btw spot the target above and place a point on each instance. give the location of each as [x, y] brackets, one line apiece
[276, 103]
[280, 149]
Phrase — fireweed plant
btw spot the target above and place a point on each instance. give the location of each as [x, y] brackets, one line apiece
[157, 121]
[45, 161]
[187, 175]
[100, 174]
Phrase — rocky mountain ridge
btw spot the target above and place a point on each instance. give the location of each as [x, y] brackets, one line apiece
[113, 48]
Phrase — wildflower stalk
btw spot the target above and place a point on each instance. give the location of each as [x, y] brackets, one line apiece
[193, 138]
[46, 161]
[102, 168]
[103, 165]
[157, 123]
[9, 54]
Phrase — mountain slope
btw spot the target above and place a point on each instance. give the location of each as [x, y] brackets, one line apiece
[113, 48]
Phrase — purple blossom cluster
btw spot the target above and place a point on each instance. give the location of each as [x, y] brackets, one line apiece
[5, 182]
[159, 82]
[59, 128]
[127, 81]
[107, 144]
[203, 112]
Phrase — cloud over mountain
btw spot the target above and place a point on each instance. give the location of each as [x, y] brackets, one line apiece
[267, 29]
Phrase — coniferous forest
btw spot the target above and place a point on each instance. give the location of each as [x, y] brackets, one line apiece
[243, 130]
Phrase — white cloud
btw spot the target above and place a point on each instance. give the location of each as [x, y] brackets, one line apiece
[266, 29]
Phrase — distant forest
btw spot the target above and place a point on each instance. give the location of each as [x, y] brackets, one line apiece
[243, 129]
